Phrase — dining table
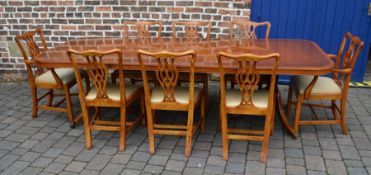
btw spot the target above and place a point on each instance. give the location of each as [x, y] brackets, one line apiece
[297, 57]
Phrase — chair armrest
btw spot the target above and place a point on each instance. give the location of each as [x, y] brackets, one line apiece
[56, 77]
[332, 56]
[308, 90]
[344, 71]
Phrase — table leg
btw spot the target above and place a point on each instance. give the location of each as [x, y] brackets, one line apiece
[282, 113]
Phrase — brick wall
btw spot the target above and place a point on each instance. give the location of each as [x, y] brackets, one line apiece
[66, 19]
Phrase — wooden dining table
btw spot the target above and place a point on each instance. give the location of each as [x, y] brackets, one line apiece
[297, 57]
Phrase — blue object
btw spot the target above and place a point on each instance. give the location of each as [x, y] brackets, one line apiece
[322, 21]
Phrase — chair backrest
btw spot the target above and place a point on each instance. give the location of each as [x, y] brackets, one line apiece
[143, 28]
[248, 75]
[192, 28]
[167, 73]
[93, 62]
[347, 56]
[247, 29]
[32, 49]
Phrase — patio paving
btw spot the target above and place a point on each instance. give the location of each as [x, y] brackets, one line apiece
[47, 145]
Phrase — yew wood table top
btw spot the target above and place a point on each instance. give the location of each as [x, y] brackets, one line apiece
[297, 56]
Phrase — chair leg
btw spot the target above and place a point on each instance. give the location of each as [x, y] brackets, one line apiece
[220, 116]
[50, 97]
[143, 109]
[333, 109]
[114, 77]
[224, 127]
[206, 91]
[151, 137]
[132, 80]
[343, 116]
[289, 102]
[85, 117]
[297, 113]
[69, 106]
[122, 129]
[99, 114]
[273, 119]
[34, 102]
[203, 111]
[188, 144]
[87, 83]
[267, 132]
[232, 84]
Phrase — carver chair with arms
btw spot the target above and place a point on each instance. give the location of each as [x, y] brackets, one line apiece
[247, 99]
[50, 79]
[104, 94]
[169, 96]
[314, 88]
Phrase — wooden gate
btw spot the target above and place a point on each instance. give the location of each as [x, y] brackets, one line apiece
[322, 21]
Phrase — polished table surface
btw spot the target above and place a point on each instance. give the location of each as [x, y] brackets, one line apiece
[297, 56]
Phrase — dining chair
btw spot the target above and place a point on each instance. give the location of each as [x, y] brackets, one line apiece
[103, 94]
[51, 79]
[315, 88]
[169, 96]
[143, 30]
[247, 99]
[193, 30]
[247, 30]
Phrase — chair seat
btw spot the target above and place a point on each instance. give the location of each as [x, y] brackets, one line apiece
[260, 98]
[324, 85]
[113, 92]
[181, 94]
[46, 79]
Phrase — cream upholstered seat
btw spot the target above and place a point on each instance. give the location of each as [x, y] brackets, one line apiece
[323, 84]
[113, 92]
[259, 98]
[65, 74]
[181, 94]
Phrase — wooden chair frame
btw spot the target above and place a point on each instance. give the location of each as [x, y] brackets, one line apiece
[249, 32]
[33, 51]
[143, 28]
[98, 72]
[249, 28]
[191, 31]
[344, 64]
[143, 31]
[247, 77]
[191, 28]
[167, 76]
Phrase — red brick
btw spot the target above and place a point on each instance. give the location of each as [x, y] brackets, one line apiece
[175, 9]
[49, 3]
[194, 10]
[203, 4]
[103, 9]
